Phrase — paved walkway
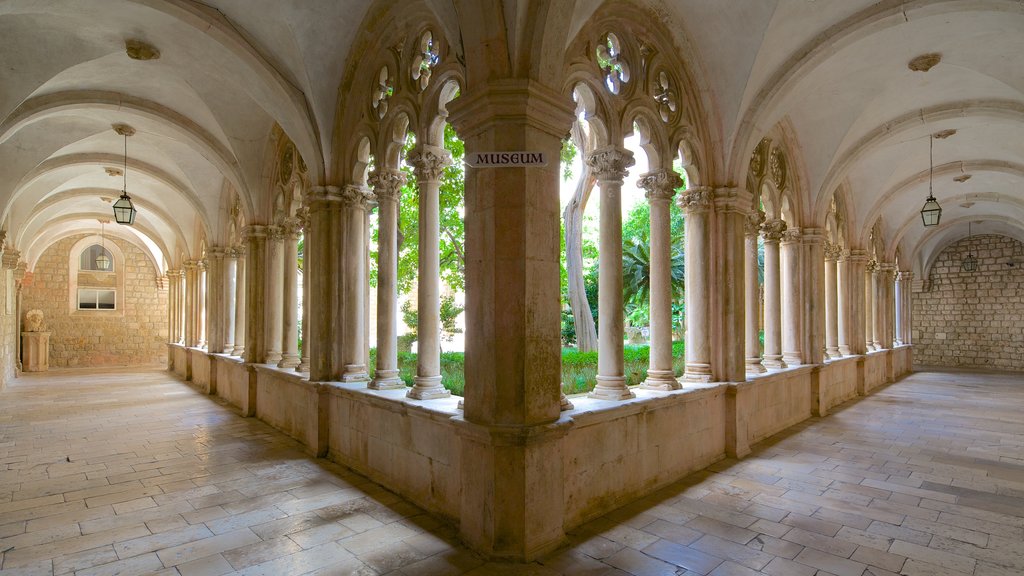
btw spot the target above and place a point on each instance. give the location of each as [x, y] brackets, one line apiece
[134, 472]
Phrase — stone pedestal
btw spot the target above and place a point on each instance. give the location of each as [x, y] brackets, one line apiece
[35, 350]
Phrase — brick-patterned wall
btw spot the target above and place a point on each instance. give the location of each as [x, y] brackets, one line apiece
[99, 339]
[973, 320]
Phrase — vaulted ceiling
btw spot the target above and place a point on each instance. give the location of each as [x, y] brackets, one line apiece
[834, 73]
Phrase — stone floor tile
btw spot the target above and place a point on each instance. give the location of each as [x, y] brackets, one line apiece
[183, 553]
[933, 556]
[721, 529]
[830, 563]
[747, 556]
[214, 565]
[784, 567]
[639, 564]
[729, 568]
[878, 558]
[84, 559]
[145, 564]
[683, 556]
[917, 568]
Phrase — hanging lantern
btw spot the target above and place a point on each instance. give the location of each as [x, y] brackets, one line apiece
[124, 210]
[932, 212]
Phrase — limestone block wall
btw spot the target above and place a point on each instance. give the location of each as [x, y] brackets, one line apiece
[135, 334]
[973, 320]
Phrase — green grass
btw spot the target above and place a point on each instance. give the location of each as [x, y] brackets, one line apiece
[579, 369]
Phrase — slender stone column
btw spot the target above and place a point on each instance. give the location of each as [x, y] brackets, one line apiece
[172, 296]
[230, 291]
[213, 288]
[875, 279]
[609, 165]
[899, 303]
[274, 320]
[429, 163]
[908, 307]
[240, 310]
[290, 230]
[752, 344]
[304, 359]
[256, 285]
[357, 202]
[832, 254]
[772, 231]
[792, 297]
[844, 303]
[660, 187]
[387, 186]
[190, 303]
[698, 202]
[201, 307]
[859, 301]
[885, 305]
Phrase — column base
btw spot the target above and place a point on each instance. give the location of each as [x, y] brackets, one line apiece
[355, 373]
[792, 358]
[844, 350]
[833, 353]
[386, 380]
[303, 365]
[695, 372]
[774, 361]
[661, 380]
[564, 403]
[238, 351]
[288, 361]
[611, 388]
[755, 366]
[273, 358]
[428, 388]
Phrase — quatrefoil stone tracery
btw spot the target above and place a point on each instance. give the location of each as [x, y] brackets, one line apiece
[382, 92]
[426, 58]
[664, 96]
[612, 62]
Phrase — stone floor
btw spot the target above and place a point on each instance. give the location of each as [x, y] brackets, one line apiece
[134, 472]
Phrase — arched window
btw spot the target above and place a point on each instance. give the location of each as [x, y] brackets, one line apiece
[96, 258]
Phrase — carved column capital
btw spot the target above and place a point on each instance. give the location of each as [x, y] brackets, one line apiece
[833, 251]
[697, 199]
[905, 276]
[773, 229]
[10, 258]
[428, 162]
[857, 256]
[660, 184]
[357, 197]
[791, 235]
[291, 227]
[610, 163]
[387, 184]
[753, 222]
[275, 232]
[872, 266]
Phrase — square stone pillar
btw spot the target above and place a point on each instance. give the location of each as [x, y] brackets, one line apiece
[728, 335]
[322, 259]
[512, 482]
[35, 350]
[814, 295]
[856, 265]
[256, 269]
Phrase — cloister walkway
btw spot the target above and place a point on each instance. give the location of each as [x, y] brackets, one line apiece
[134, 472]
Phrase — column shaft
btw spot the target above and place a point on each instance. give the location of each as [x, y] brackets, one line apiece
[429, 163]
[752, 316]
[844, 304]
[772, 231]
[201, 304]
[356, 204]
[230, 290]
[256, 285]
[304, 353]
[324, 302]
[240, 310]
[290, 294]
[387, 185]
[660, 186]
[876, 307]
[697, 203]
[792, 298]
[609, 165]
[274, 321]
[832, 300]
[190, 303]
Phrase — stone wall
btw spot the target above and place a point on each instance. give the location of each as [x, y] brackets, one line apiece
[973, 320]
[136, 333]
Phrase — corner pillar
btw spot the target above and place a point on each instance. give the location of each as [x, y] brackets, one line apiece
[814, 308]
[698, 203]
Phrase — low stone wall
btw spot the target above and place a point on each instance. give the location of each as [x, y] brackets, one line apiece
[606, 453]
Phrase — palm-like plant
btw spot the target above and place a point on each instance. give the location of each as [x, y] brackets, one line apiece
[636, 272]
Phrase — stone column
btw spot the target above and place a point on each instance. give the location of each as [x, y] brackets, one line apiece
[304, 359]
[357, 202]
[190, 303]
[908, 307]
[772, 231]
[857, 262]
[230, 291]
[274, 303]
[256, 285]
[201, 303]
[832, 254]
[875, 316]
[660, 187]
[728, 301]
[844, 303]
[899, 303]
[511, 451]
[609, 166]
[429, 163]
[752, 314]
[240, 309]
[885, 306]
[792, 297]
[214, 289]
[697, 203]
[290, 230]
[387, 186]
[323, 248]
[172, 309]
[813, 295]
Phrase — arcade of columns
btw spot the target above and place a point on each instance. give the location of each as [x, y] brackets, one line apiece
[826, 303]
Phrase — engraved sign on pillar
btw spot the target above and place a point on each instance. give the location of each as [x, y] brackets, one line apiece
[506, 159]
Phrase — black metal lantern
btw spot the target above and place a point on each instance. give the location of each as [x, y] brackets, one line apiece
[124, 210]
[932, 212]
[970, 263]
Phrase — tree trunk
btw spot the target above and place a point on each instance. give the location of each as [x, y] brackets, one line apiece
[586, 331]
